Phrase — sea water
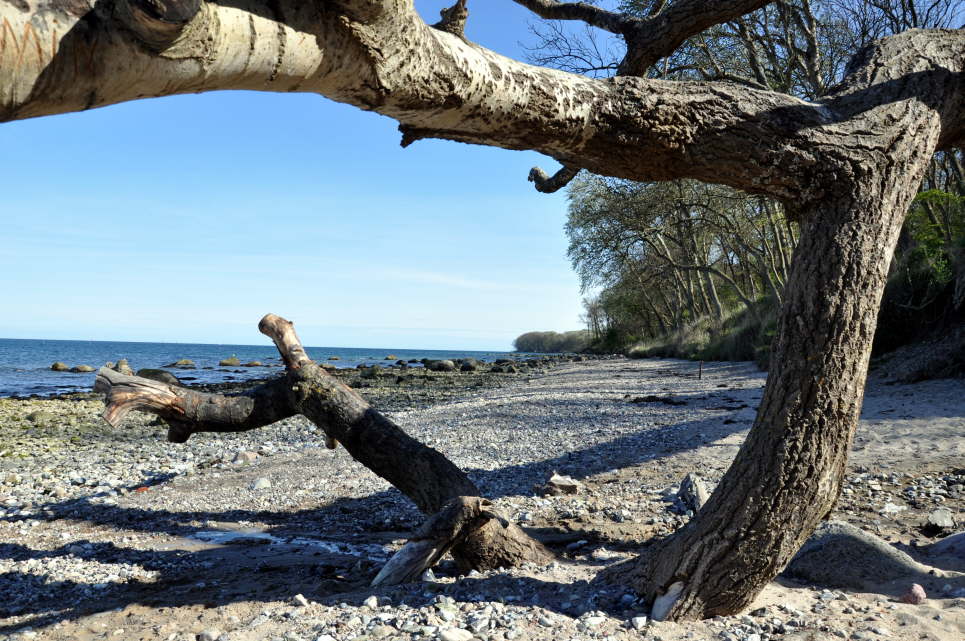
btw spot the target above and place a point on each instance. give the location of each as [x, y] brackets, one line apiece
[25, 363]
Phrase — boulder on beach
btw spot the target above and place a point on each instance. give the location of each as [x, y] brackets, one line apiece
[468, 365]
[373, 372]
[840, 555]
[123, 367]
[391, 357]
[442, 366]
[41, 417]
[60, 367]
[184, 363]
[231, 361]
[81, 369]
[158, 375]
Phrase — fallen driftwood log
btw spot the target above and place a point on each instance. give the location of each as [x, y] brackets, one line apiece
[420, 472]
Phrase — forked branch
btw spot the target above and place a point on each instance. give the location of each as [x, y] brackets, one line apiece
[189, 412]
[648, 38]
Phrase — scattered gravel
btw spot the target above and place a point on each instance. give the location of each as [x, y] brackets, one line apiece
[115, 534]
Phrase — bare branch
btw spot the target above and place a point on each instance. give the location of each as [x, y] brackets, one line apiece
[549, 184]
[282, 333]
[601, 18]
[656, 37]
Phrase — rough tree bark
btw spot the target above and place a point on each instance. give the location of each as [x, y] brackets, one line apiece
[847, 165]
[420, 472]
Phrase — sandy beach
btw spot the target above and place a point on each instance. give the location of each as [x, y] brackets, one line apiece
[115, 534]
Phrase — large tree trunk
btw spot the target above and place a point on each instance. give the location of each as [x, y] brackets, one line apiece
[788, 473]
[420, 472]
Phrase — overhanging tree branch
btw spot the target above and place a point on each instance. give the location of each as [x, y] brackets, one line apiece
[850, 164]
[438, 86]
[611, 21]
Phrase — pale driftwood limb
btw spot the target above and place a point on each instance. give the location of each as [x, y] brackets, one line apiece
[427, 477]
[436, 537]
[282, 333]
[188, 411]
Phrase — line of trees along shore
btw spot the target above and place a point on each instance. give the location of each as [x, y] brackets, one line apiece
[553, 342]
[690, 269]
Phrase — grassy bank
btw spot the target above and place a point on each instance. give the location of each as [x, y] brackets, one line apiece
[742, 335]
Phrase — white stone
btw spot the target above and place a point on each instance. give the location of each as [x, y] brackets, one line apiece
[260, 483]
[243, 456]
[455, 634]
[638, 623]
[372, 602]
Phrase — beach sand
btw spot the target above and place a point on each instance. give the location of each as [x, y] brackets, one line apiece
[118, 535]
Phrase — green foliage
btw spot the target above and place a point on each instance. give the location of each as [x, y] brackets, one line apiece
[925, 283]
[741, 336]
[553, 342]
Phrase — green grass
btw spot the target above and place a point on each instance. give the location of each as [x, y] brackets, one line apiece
[741, 335]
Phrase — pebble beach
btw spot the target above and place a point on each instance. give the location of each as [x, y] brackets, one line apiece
[113, 533]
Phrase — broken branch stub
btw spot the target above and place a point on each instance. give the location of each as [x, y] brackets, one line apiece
[282, 333]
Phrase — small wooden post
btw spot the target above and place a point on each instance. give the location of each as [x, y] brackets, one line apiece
[700, 370]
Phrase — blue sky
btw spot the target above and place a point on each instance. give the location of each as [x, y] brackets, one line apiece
[187, 218]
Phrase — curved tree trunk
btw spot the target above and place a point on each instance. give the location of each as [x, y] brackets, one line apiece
[788, 473]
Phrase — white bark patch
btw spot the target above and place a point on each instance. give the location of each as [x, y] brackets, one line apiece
[663, 603]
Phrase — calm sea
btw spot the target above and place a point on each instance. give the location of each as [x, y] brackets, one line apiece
[25, 364]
